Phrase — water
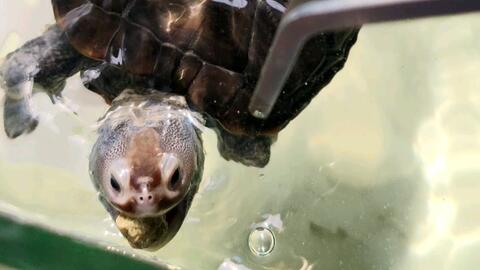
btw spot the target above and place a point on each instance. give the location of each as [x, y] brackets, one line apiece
[379, 172]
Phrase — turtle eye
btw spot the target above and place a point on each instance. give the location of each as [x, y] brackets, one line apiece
[175, 178]
[115, 185]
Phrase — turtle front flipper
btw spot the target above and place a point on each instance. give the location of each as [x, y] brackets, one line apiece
[250, 151]
[40, 65]
[18, 115]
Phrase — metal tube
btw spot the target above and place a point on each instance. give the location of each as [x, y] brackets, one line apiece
[314, 16]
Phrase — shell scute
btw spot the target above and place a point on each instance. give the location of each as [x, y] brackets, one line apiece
[166, 63]
[219, 32]
[116, 6]
[170, 21]
[133, 49]
[62, 7]
[90, 29]
[187, 71]
[224, 36]
[213, 88]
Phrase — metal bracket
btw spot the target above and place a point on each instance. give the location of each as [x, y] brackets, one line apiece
[308, 18]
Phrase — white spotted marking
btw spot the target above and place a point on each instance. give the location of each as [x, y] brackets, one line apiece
[276, 5]
[233, 3]
[118, 60]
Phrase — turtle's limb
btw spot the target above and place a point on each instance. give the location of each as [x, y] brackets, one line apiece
[250, 151]
[106, 80]
[19, 117]
[42, 64]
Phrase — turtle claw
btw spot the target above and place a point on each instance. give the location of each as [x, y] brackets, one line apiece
[18, 117]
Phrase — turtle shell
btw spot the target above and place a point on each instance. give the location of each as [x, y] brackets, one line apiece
[211, 51]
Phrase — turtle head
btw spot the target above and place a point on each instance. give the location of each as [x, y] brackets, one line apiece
[151, 177]
[148, 160]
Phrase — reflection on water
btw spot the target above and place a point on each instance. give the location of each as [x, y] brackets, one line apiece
[379, 172]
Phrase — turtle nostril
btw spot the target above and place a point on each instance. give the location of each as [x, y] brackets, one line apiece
[174, 180]
[145, 199]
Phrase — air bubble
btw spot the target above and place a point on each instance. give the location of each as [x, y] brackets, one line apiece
[261, 241]
[259, 114]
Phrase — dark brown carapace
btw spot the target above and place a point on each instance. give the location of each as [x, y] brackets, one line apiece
[210, 51]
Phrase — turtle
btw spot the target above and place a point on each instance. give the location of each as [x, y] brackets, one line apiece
[168, 69]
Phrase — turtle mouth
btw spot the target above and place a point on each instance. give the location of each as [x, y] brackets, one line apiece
[144, 233]
[152, 233]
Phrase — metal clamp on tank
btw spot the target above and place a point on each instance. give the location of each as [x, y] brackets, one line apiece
[306, 18]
